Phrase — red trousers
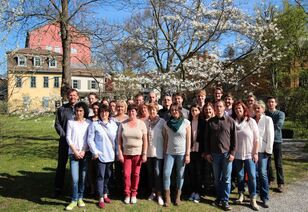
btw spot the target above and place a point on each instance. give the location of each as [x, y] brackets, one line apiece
[131, 167]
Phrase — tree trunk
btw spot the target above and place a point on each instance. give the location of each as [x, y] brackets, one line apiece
[66, 44]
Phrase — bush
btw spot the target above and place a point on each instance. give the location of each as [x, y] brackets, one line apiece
[3, 107]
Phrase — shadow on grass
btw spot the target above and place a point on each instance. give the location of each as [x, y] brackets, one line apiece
[36, 187]
[30, 149]
[35, 138]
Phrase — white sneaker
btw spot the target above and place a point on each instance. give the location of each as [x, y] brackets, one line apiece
[133, 200]
[126, 200]
[160, 200]
[152, 196]
[192, 196]
[197, 198]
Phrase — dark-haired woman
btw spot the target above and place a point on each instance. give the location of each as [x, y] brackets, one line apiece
[246, 156]
[101, 139]
[195, 166]
[177, 136]
[76, 136]
[132, 152]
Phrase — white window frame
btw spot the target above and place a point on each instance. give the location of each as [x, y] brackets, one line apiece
[33, 84]
[35, 60]
[73, 50]
[19, 60]
[58, 49]
[50, 63]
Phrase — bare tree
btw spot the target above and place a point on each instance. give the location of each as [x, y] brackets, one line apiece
[24, 15]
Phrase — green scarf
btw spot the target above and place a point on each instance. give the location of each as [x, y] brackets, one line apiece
[174, 124]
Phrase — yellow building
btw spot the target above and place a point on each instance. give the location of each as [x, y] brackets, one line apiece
[34, 80]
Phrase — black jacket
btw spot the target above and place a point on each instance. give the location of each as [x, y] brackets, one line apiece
[64, 113]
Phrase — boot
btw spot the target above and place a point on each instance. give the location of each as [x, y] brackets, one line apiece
[167, 198]
[240, 198]
[253, 203]
[178, 197]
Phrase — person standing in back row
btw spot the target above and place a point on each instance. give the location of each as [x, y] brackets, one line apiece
[63, 114]
[278, 120]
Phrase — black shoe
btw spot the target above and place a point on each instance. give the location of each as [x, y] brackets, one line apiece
[216, 203]
[265, 204]
[280, 188]
[226, 207]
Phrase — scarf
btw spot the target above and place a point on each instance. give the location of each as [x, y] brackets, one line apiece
[175, 124]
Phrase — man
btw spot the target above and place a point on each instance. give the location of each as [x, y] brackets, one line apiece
[201, 96]
[178, 98]
[153, 99]
[229, 100]
[219, 146]
[165, 111]
[64, 113]
[139, 99]
[218, 93]
[278, 120]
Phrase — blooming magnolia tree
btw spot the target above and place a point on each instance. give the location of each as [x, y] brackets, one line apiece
[173, 33]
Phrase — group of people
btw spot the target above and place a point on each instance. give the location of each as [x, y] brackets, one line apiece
[221, 140]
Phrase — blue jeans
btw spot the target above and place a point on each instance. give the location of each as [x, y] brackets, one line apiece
[262, 178]
[246, 166]
[78, 170]
[222, 169]
[155, 174]
[103, 176]
[180, 168]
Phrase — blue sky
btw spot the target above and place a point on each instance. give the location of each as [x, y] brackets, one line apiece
[17, 40]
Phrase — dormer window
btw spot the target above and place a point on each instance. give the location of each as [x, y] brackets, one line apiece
[21, 61]
[52, 63]
[37, 62]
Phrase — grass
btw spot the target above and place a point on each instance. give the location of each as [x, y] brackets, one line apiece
[28, 152]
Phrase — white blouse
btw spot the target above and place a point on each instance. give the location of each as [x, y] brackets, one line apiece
[266, 134]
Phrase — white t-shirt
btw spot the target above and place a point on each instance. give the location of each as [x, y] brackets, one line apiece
[156, 140]
[77, 134]
[177, 140]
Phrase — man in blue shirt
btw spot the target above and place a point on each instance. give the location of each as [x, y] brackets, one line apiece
[278, 120]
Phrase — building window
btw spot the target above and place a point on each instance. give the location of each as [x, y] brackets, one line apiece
[58, 49]
[52, 63]
[37, 62]
[106, 80]
[73, 51]
[33, 82]
[45, 102]
[48, 48]
[18, 82]
[56, 82]
[46, 82]
[21, 61]
[93, 84]
[76, 84]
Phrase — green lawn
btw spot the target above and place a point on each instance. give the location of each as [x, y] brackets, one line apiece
[28, 151]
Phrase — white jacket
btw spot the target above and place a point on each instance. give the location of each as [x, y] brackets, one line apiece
[266, 131]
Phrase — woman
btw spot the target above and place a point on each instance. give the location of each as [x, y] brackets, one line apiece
[208, 112]
[155, 153]
[246, 155]
[143, 112]
[101, 138]
[195, 165]
[91, 178]
[266, 135]
[132, 146]
[76, 137]
[113, 108]
[177, 135]
[121, 112]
